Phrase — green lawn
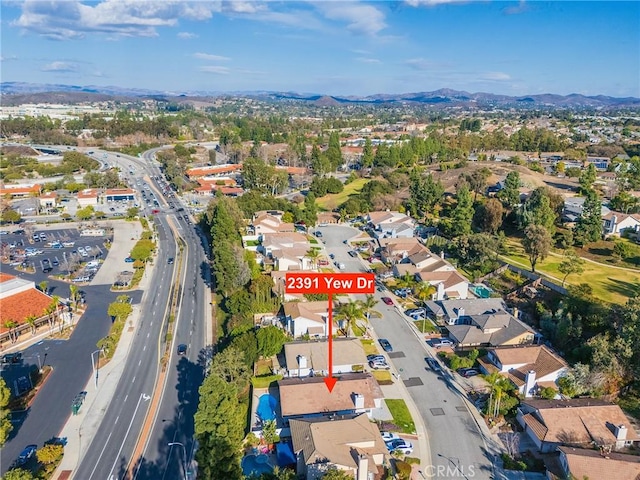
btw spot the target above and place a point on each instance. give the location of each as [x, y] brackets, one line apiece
[370, 347]
[331, 201]
[609, 284]
[383, 377]
[401, 416]
[265, 381]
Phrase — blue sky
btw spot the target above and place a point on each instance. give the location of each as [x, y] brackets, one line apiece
[331, 47]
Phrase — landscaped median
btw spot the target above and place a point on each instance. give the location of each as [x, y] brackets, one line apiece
[401, 415]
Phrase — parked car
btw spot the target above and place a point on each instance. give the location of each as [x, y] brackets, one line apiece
[374, 357]
[467, 372]
[15, 357]
[401, 445]
[433, 364]
[26, 454]
[353, 253]
[129, 260]
[387, 301]
[379, 365]
[441, 342]
[388, 436]
[386, 346]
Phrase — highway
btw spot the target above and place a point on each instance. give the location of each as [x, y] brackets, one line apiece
[456, 442]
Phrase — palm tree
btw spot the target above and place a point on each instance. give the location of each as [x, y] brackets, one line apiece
[406, 281]
[73, 295]
[10, 324]
[31, 321]
[348, 315]
[424, 291]
[43, 286]
[313, 255]
[368, 306]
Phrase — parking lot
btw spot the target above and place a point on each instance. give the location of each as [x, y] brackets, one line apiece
[61, 252]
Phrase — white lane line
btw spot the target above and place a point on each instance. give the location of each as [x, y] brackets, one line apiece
[99, 457]
[139, 362]
[148, 334]
[151, 324]
[117, 418]
[134, 380]
[144, 348]
[125, 398]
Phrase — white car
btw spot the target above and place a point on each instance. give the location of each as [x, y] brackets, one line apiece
[400, 445]
[388, 436]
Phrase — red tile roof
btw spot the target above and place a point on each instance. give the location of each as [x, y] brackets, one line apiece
[8, 190]
[21, 305]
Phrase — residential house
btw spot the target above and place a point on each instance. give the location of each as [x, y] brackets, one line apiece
[287, 250]
[279, 288]
[573, 206]
[601, 163]
[582, 463]
[529, 368]
[306, 318]
[480, 322]
[303, 397]
[269, 221]
[304, 359]
[87, 197]
[350, 443]
[449, 284]
[48, 200]
[615, 223]
[391, 224]
[579, 422]
[395, 250]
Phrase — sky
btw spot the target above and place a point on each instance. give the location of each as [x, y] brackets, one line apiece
[326, 47]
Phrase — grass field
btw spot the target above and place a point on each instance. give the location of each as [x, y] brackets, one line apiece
[331, 201]
[401, 416]
[370, 348]
[610, 284]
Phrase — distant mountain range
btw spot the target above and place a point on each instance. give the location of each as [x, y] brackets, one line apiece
[14, 93]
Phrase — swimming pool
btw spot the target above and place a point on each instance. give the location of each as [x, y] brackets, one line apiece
[267, 407]
[480, 291]
[256, 465]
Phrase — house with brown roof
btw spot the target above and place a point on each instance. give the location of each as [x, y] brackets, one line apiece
[304, 359]
[20, 190]
[350, 443]
[49, 200]
[288, 250]
[213, 170]
[581, 463]
[480, 322]
[119, 195]
[395, 250]
[269, 221]
[529, 368]
[302, 397]
[579, 422]
[391, 224]
[615, 223]
[307, 318]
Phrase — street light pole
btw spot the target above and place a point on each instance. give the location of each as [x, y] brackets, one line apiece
[96, 366]
[184, 456]
[39, 363]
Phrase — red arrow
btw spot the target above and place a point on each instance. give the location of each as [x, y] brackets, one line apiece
[330, 381]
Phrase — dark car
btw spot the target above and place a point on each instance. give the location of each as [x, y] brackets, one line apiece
[387, 301]
[386, 346]
[182, 349]
[26, 454]
[170, 260]
[12, 357]
[318, 234]
[433, 364]
[468, 372]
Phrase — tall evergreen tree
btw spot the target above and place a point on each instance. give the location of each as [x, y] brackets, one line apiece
[462, 214]
[589, 227]
[510, 194]
[367, 154]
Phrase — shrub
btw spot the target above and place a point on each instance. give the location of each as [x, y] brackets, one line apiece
[403, 470]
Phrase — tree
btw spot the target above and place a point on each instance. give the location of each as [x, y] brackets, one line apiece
[43, 286]
[269, 432]
[132, 212]
[11, 216]
[5, 415]
[120, 309]
[49, 453]
[229, 365]
[367, 153]
[85, 213]
[335, 474]
[548, 393]
[622, 249]
[31, 321]
[536, 243]
[270, 341]
[313, 254]
[491, 215]
[462, 214]
[537, 210]
[424, 291]
[10, 325]
[18, 474]
[219, 428]
[571, 263]
[587, 178]
[510, 194]
[348, 315]
[589, 227]
[369, 305]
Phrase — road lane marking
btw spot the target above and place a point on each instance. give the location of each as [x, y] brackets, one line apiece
[117, 418]
[100, 456]
[139, 362]
[148, 334]
[144, 348]
[134, 380]
[125, 398]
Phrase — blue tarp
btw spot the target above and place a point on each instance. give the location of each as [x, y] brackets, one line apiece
[285, 454]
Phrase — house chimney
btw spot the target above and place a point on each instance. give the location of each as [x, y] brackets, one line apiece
[302, 361]
[529, 383]
[442, 254]
[363, 467]
[460, 312]
[621, 432]
[516, 312]
[358, 400]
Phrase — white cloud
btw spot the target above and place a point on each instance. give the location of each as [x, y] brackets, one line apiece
[6, 58]
[208, 56]
[368, 60]
[59, 67]
[73, 19]
[217, 69]
[421, 64]
[186, 35]
[360, 18]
